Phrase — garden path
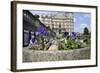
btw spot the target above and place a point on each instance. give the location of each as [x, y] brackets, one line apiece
[53, 47]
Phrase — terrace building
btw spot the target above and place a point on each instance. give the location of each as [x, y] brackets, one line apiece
[59, 23]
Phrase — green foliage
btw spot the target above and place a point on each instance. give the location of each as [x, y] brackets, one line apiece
[66, 43]
[43, 44]
[79, 44]
[35, 47]
[62, 46]
[40, 44]
[37, 16]
[87, 41]
[71, 44]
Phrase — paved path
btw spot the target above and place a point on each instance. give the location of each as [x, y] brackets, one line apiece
[53, 48]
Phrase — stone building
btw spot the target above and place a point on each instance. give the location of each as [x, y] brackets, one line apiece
[59, 22]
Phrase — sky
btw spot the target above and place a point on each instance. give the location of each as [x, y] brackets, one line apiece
[81, 20]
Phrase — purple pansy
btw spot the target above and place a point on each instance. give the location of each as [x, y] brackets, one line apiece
[33, 40]
[36, 34]
[73, 33]
[66, 33]
[41, 30]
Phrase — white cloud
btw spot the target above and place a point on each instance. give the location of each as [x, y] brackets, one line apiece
[84, 25]
[86, 15]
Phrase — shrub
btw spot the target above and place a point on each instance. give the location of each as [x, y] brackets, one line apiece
[60, 47]
[43, 44]
[79, 44]
[87, 41]
[71, 44]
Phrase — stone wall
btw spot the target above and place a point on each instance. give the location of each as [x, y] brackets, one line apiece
[37, 56]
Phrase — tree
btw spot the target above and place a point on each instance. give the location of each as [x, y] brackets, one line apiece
[37, 16]
[87, 37]
[86, 31]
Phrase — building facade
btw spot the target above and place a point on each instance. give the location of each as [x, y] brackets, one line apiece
[59, 23]
[31, 24]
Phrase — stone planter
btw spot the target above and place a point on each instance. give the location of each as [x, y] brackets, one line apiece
[40, 56]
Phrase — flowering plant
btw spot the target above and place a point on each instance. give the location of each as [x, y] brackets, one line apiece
[41, 30]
